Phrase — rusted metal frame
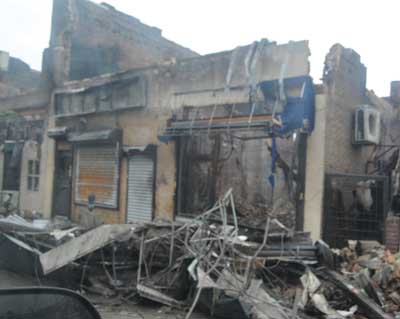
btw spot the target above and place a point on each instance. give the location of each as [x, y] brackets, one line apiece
[139, 273]
[85, 266]
[211, 269]
[211, 119]
[223, 215]
[216, 150]
[171, 249]
[266, 269]
[232, 202]
[231, 116]
[114, 249]
[36, 242]
[192, 121]
[109, 277]
[250, 138]
[154, 250]
[180, 229]
[253, 107]
[177, 274]
[261, 247]
[256, 126]
[180, 124]
[195, 301]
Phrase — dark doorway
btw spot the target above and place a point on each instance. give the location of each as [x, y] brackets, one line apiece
[62, 184]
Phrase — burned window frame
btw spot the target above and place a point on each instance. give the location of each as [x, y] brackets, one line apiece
[33, 176]
[115, 95]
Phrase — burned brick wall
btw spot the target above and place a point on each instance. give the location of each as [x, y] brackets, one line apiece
[345, 89]
[89, 39]
[345, 84]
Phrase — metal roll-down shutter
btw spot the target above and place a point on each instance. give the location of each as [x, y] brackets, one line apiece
[98, 173]
[140, 188]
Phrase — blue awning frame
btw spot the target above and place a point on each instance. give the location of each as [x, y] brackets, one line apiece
[298, 112]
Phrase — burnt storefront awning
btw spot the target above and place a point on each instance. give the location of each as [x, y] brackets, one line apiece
[102, 136]
[276, 108]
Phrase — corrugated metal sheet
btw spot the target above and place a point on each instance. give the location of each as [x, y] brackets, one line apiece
[98, 173]
[140, 188]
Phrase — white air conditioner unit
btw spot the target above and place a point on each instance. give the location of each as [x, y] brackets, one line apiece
[367, 125]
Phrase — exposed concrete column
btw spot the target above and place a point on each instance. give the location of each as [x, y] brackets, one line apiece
[60, 61]
[315, 172]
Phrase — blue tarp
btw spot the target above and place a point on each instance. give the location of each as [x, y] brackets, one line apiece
[298, 113]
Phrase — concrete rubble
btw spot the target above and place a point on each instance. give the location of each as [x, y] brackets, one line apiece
[212, 264]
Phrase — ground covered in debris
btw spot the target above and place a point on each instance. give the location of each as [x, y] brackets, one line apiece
[213, 264]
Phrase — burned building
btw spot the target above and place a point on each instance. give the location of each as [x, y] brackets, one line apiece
[168, 140]
[352, 155]
[89, 39]
[24, 101]
[86, 40]
[155, 131]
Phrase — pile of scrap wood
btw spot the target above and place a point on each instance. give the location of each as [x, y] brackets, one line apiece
[213, 263]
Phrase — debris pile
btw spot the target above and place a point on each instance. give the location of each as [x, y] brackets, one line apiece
[211, 263]
[376, 270]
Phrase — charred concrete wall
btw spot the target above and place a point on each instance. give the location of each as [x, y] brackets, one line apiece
[345, 90]
[89, 39]
[345, 84]
[331, 148]
[194, 82]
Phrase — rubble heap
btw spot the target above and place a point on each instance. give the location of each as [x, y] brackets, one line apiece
[211, 263]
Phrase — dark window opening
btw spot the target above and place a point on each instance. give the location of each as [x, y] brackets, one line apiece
[12, 167]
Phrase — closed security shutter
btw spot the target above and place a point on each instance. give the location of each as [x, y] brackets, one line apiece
[98, 173]
[140, 188]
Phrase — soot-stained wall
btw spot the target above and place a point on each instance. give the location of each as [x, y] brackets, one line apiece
[89, 39]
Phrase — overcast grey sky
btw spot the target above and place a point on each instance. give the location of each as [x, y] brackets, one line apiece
[370, 27]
